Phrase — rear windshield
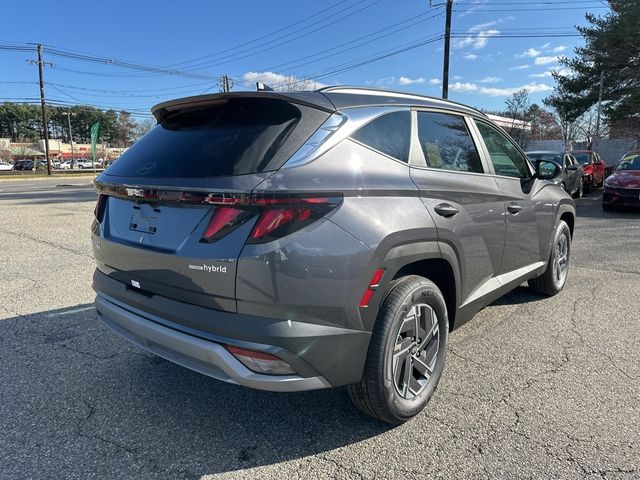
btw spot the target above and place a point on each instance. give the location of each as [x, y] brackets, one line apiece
[583, 158]
[233, 137]
[548, 157]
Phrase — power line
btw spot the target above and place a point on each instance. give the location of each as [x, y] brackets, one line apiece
[252, 52]
[262, 37]
[336, 50]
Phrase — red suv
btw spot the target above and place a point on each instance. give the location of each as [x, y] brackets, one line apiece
[592, 166]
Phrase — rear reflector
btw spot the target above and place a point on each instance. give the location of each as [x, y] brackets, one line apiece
[261, 362]
[373, 285]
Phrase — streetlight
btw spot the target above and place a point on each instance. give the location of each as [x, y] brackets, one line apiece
[73, 155]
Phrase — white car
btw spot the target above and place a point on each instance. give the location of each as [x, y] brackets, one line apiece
[6, 166]
[88, 164]
[66, 165]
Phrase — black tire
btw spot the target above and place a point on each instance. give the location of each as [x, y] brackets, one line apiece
[580, 191]
[606, 207]
[588, 185]
[549, 283]
[377, 394]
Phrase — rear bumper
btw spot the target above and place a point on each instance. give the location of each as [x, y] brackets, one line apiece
[193, 336]
[627, 197]
[195, 353]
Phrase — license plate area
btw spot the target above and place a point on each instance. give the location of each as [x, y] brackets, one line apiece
[144, 220]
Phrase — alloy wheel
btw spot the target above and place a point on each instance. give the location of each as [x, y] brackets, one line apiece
[416, 351]
[561, 260]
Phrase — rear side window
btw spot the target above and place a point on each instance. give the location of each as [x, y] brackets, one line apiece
[232, 137]
[389, 134]
[446, 143]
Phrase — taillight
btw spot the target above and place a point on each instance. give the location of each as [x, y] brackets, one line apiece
[278, 222]
[223, 221]
[261, 362]
[100, 207]
[277, 216]
[281, 215]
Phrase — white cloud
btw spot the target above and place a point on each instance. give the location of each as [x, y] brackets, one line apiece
[411, 81]
[476, 39]
[559, 49]
[463, 87]
[545, 60]
[457, 77]
[498, 92]
[545, 46]
[477, 5]
[532, 52]
[279, 80]
[520, 67]
[435, 81]
[491, 80]
[549, 73]
[470, 56]
[505, 92]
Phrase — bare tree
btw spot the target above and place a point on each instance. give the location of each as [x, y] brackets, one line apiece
[518, 106]
[143, 127]
[292, 83]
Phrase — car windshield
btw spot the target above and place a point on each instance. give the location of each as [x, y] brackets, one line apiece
[546, 156]
[630, 162]
[583, 158]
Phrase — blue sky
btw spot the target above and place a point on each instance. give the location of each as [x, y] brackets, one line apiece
[253, 40]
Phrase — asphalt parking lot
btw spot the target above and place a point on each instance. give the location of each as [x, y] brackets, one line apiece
[533, 387]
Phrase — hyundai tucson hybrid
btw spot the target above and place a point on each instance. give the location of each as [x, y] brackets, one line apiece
[299, 241]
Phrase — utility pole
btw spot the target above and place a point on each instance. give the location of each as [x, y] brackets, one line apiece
[73, 155]
[45, 120]
[447, 41]
[600, 88]
[225, 83]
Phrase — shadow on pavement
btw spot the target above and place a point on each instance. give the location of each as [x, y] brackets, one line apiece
[61, 195]
[590, 206]
[81, 399]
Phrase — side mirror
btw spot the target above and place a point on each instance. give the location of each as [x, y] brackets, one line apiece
[572, 167]
[546, 170]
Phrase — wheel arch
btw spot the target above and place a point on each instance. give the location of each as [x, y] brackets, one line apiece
[433, 260]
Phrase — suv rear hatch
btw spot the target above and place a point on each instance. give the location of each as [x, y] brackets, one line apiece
[174, 210]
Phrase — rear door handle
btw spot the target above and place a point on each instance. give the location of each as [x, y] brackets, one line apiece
[445, 210]
[514, 208]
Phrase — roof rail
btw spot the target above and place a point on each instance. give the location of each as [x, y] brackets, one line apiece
[392, 93]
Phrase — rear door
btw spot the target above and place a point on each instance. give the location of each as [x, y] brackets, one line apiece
[529, 216]
[174, 210]
[463, 201]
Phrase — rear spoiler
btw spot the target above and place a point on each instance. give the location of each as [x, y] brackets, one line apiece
[311, 99]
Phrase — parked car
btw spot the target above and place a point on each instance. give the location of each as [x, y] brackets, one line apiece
[23, 164]
[593, 166]
[297, 241]
[622, 188]
[572, 175]
[88, 164]
[66, 165]
[5, 166]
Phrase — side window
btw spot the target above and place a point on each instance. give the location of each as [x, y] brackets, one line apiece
[567, 161]
[505, 157]
[389, 134]
[446, 143]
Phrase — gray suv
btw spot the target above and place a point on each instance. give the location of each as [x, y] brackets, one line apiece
[298, 241]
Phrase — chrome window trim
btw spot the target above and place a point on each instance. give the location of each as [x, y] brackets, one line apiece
[337, 127]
